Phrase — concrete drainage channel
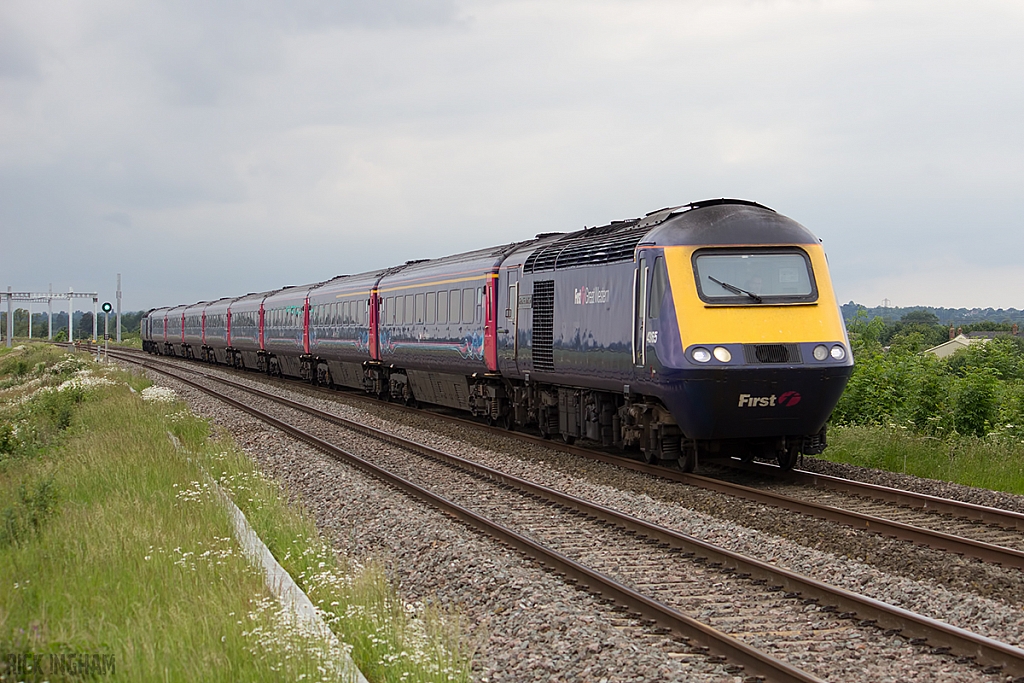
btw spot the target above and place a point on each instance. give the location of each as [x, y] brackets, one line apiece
[281, 584]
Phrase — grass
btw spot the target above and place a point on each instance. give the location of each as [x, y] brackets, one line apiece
[113, 542]
[994, 462]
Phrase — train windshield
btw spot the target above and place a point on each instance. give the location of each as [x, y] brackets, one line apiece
[750, 276]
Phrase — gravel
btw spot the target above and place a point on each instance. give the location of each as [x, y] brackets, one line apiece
[528, 625]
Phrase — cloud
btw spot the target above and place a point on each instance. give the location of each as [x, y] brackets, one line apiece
[219, 148]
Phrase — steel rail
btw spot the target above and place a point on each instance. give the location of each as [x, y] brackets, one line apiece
[938, 540]
[643, 606]
[1009, 519]
[959, 641]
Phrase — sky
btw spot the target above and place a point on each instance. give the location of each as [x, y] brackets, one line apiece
[206, 149]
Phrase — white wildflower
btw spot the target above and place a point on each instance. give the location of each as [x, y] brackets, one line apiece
[159, 394]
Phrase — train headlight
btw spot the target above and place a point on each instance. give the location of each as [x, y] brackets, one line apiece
[701, 355]
[722, 354]
[838, 352]
[820, 352]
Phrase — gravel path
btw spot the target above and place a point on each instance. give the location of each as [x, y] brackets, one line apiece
[532, 627]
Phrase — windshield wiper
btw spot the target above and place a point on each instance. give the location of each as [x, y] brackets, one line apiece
[736, 290]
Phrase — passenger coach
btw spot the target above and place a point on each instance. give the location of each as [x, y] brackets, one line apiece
[709, 330]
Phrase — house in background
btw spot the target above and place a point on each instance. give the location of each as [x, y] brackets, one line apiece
[947, 349]
[958, 340]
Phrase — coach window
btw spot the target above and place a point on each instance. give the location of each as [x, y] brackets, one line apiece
[442, 307]
[454, 305]
[419, 309]
[410, 309]
[659, 283]
[468, 305]
[400, 310]
[431, 308]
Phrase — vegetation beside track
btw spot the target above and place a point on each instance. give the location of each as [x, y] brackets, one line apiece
[113, 542]
[958, 419]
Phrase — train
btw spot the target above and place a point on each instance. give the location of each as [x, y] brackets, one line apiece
[708, 331]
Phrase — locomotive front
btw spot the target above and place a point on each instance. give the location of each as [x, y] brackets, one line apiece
[750, 353]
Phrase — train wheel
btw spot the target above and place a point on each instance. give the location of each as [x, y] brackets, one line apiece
[687, 461]
[786, 457]
[506, 422]
[569, 439]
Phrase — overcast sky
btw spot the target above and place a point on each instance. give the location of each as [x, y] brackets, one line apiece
[204, 149]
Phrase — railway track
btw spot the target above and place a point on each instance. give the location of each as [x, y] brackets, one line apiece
[772, 616]
[988, 534]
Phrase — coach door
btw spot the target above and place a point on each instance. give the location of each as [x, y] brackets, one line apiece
[510, 346]
[641, 280]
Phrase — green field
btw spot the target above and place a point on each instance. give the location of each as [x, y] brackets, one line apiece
[113, 543]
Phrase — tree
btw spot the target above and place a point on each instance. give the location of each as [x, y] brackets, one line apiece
[925, 317]
[83, 329]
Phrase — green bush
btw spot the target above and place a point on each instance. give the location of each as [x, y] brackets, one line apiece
[59, 406]
[976, 392]
[27, 515]
[8, 440]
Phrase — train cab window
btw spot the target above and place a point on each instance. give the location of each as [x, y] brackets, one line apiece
[454, 305]
[442, 307]
[431, 308]
[752, 276]
[659, 283]
[468, 305]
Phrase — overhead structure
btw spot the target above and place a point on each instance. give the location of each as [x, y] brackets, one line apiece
[48, 297]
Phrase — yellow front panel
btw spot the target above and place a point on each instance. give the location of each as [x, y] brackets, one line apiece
[702, 323]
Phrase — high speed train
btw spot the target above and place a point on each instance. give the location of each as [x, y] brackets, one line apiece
[703, 331]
